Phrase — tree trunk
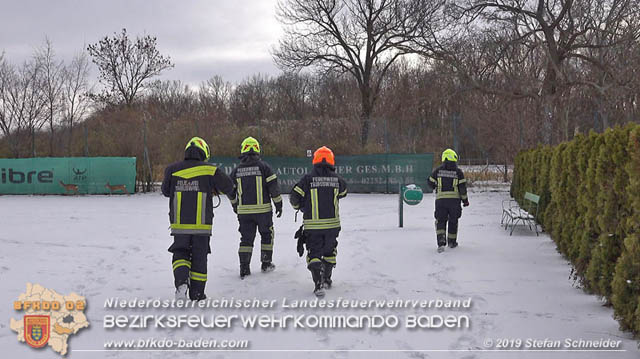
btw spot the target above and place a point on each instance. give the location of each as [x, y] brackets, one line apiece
[602, 113]
[365, 116]
[70, 138]
[548, 100]
[86, 140]
[51, 134]
[33, 141]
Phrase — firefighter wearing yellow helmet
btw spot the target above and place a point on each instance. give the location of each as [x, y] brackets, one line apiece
[190, 185]
[256, 187]
[451, 190]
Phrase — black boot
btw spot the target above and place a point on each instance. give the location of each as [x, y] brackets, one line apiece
[266, 255]
[442, 242]
[198, 296]
[244, 270]
[268, 267]
[245, 260]
[196, 290]
[452, 242]
[328, 269]
[317, 270]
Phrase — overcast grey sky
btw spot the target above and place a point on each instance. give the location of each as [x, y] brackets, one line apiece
[202, 37]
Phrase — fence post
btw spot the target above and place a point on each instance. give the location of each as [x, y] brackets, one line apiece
[86, 139]
[506, 172]
[400, 209]
[147, 175]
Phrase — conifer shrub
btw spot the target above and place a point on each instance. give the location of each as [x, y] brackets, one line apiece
[626, 281]
[590, 205]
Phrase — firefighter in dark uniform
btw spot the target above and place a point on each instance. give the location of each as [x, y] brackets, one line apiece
[190, 186]
[451, 189]
[317, 195]
[256, 186]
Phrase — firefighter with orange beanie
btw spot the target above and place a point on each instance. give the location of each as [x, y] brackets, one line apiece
[317, 195]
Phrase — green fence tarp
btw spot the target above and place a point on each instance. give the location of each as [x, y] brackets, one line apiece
[46, 175]
[364, 174]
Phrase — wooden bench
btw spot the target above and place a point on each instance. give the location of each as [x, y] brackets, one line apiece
[512, 213]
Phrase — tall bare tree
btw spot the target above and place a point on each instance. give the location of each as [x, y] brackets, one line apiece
[213, 96]
[126, 65]
[23, 102]
[51, 72]
[74, 92]
[362, 38]
[7, 125]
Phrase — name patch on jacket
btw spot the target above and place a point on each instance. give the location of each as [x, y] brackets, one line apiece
[187, 186]
[447, 174]
[325, 182]
[248, 171]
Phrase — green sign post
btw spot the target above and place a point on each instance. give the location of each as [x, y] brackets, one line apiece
[72, 175]
[409, 194]
[364, 174]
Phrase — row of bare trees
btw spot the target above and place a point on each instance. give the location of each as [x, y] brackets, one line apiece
[514, 49]
[488, 77]
[43, 94]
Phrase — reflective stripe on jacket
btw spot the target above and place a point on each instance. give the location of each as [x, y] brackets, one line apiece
[449, 182]
[256, 186]
[190, 185]
[317, 195]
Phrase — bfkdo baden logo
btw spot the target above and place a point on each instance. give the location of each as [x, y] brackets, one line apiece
[49, 318]
[36, 330]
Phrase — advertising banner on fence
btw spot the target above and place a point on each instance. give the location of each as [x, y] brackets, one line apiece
[72, 175]
[364, 174]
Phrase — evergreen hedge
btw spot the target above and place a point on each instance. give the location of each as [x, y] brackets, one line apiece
[590, 205]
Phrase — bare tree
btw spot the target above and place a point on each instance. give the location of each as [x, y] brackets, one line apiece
[125, 65]
[213, 96]
[24, 104]
[562, 30]
[7, 124]
[51, 72]
[173, 99]
[250, 103]
[74, 91]
[362, 38]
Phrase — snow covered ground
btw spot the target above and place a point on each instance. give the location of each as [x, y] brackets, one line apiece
[103, 247]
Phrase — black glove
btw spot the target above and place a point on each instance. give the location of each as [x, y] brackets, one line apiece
[301, 240]
[465, 203]
[278, 209]
[235, 207]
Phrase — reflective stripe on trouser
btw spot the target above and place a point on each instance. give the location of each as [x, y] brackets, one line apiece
[248, 224]
[321, 252]
[447, 213]
[201, 277]
[190, 262]
[322, 246]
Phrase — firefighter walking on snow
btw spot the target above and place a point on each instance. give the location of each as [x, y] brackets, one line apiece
[190, 186]
[451, 189]
[317, 195]
[256, 186]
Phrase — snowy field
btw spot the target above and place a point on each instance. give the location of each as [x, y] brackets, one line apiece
[102, 247]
